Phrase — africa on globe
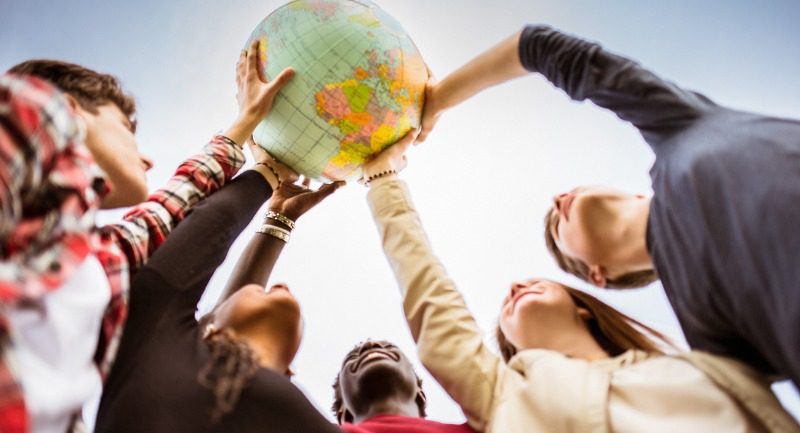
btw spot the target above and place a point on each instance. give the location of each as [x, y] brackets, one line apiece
[359, 85]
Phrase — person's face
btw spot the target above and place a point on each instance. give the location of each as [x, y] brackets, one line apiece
[273, 314]
[110, 138]
[536, 311]
[582, 220]
[373, 372]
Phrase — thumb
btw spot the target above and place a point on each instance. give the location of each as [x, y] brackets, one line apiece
[278, 82]
[402, 146]
[328, 189]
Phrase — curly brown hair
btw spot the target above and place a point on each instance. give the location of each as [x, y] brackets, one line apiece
[614, 331]
[581, 269]
[343, 415]
[232, 363]
[90, 88]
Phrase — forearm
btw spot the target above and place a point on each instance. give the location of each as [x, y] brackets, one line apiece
[497, 65]
[242, 128]
[450, 343]
[256, 263]
[200, 243]
[584, 70]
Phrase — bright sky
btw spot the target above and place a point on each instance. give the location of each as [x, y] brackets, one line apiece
[481, 182]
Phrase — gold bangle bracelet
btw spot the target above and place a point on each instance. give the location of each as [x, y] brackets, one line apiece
[274, 231]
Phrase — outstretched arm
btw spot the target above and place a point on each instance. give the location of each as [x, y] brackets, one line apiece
[289, 202]
[494, 66]
[147, 225]
[584, 70]
[449, 341]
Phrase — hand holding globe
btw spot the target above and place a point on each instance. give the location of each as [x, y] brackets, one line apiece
[359, 85]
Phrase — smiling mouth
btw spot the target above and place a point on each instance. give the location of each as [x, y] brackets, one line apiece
[373, 355]
[523, 293]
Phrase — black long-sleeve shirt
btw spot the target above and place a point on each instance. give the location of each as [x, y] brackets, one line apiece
[724, 222]
[153, 386]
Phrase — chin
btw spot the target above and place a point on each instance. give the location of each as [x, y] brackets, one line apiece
[382, 379]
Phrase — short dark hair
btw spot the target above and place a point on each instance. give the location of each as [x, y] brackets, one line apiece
[342, 415]
[90, 88]
[581, 269]
[613, 330]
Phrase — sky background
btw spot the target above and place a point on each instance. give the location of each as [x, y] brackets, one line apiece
[481, 182]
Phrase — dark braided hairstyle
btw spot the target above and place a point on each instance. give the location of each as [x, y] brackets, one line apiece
[232, 363]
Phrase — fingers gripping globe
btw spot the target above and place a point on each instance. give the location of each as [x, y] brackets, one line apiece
[359, 85]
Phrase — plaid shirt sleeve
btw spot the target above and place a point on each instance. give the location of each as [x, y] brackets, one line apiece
[147, 225]
[50, 189]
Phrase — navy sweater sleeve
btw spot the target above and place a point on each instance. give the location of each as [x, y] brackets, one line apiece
[584, 70]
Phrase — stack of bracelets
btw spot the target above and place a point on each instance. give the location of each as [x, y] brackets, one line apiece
[276, 231]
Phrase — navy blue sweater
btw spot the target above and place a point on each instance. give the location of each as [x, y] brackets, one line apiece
[724, 222]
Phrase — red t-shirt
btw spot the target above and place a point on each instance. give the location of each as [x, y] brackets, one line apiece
[404, 424]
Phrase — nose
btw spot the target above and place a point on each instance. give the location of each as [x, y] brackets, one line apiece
[278, 286]
[369, 345]
[557, 200]
[516, 287]
[147, 163]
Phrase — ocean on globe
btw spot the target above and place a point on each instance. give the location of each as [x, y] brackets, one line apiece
[359, 85]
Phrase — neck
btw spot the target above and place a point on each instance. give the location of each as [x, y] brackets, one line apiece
[390, 406]
[632, 254]
[577, 343]
[267, 354]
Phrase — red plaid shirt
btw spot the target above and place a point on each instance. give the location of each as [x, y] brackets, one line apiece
[43, 148]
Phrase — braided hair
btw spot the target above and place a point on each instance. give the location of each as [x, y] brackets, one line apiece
[231, 364]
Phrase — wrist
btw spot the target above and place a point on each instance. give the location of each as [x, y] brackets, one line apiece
[241, 129]
[248, 118]
[442, 94]
[372, 170]
[269, 175]
[382, 179]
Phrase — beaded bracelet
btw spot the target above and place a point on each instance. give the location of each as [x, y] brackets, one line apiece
[280, 218]
[273, 171]
[379, 175]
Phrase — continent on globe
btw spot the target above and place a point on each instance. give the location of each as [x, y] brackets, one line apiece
[359, 85]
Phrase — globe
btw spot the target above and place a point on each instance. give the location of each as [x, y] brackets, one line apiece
[359, 85]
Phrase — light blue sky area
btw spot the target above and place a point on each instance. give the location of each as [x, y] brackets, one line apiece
[485, 177]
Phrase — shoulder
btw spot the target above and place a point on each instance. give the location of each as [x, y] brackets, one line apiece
[33, 106]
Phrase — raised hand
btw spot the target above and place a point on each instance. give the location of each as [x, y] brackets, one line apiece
[433, 108]
[255, 94]
[284, 173]
[392, 159]
[293, 200]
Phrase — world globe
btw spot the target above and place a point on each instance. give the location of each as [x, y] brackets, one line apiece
[359, 85]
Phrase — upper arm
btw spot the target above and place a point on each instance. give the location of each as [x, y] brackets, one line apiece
[584, 70]
[450, 342]
[200, 243]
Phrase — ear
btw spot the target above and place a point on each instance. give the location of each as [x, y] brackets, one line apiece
[597, 275]
[421, 400]
[73, 103]
[344, 416]
[585, 314]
